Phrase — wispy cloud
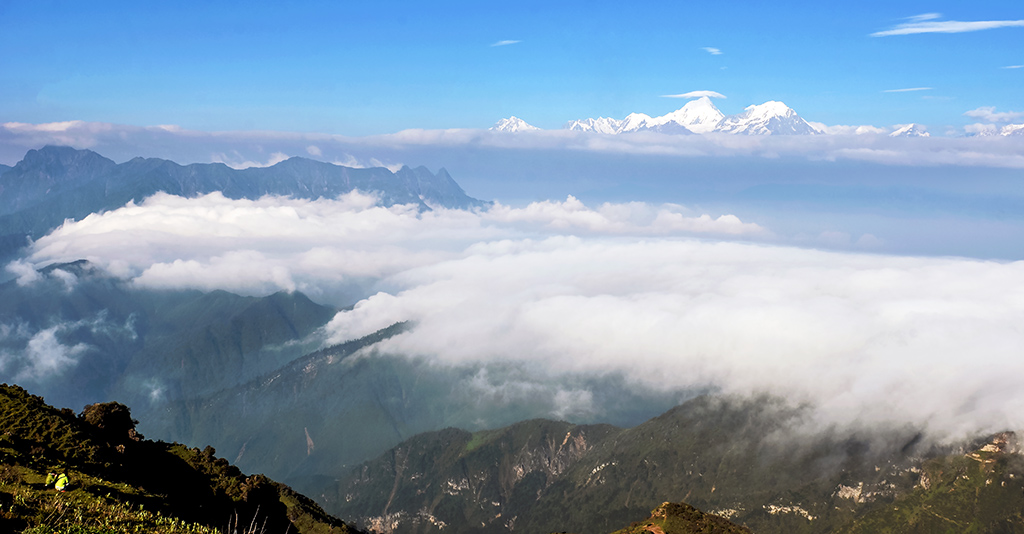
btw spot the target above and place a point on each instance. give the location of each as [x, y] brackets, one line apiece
[712, 51]
[506, 42]
[907, 90]
[696, 94]
[927, 23]
[237, 161]
[1014, 67]
[989, 114]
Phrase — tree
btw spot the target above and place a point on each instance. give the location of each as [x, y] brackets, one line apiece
[112, 420]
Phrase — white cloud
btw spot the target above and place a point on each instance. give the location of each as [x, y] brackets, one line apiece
[45, 355]
[25, 272]
[696, 94]
[1013, 67]
[79, 134]
[988, 113]
[981, 129]
[907, 90]
[237, 161]
[314, 150]
[842, 129]
[506, 42]
[864, 338]
[37, 355]
[927, 23]
[271, 244]
[559, 288]
[712, 51]
[69, 279]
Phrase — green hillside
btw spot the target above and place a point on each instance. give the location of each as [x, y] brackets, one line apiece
[121, 483]
[756, 462]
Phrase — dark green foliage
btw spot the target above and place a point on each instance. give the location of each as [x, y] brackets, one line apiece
[681, 518]
[121, 483]
[981, 492]
[112, 421]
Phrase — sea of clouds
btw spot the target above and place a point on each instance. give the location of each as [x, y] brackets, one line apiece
[664, 297]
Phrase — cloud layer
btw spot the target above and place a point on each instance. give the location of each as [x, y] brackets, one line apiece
[271, 244]
[560, 291]
[865, 339]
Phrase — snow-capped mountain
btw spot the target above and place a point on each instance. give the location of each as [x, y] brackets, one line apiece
[697, 116]
[634, 122]
[770, 118]
[513, 124]
[910, 130]
[701, 116]
[1012, 129]
[605, 125]
[991, 130]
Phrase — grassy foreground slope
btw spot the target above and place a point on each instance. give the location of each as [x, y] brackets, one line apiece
[123, 483]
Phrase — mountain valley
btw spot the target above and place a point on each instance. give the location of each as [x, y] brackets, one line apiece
[402, 444]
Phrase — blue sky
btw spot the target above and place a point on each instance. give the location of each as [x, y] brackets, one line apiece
[605, 223]
[356, 69]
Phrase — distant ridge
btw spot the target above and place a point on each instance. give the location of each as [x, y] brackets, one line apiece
[55, 183]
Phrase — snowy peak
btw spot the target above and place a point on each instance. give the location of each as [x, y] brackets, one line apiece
[698, 116]
[603, 125]
[1016, 130]
[910, 130]
[634, 122]
[701, 116]
[513, 124]
[770, 118]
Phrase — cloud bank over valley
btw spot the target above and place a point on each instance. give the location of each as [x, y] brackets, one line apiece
[670, 299]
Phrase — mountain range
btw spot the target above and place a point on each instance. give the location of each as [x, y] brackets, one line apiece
[55, 183]
[739, 459]
[120, 482]
[699, 116]
[1014, 130]
[404, 445]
